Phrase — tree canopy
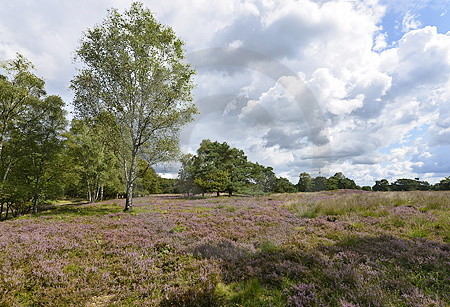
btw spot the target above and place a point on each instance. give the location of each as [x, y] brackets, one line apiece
[135, 80]
[31, 142]
[218, 167]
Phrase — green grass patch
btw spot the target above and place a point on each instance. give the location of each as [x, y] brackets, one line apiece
[375, 213]
[248, 293]
[267, 246]
[419, 233]
[197, 209]
[76, 210]
[436, 205]
[394, 221]
[339, 206]
[230, 208]
[178, 228]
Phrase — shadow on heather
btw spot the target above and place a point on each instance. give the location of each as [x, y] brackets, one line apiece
[80, 208]
[357, 271]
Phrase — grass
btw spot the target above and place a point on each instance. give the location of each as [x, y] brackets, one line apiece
[339, 248]
[79, 209]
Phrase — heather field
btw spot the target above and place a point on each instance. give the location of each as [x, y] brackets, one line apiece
[338, 248]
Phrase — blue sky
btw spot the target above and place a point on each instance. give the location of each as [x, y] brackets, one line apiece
[356, 86]
[436, 13]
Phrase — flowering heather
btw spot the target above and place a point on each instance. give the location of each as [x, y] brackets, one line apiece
[340, 248]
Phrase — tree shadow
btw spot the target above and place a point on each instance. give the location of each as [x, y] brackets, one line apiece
[365, 271]
[80, 208]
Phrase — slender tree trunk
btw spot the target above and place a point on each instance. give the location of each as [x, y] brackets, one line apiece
[1, 211]
[129, 196]
[36, 195]
[218, 193]
[7, 211]
[130, 182]
[1, 141]
[8, 168]
[35, 203]
[89, 192]
[101, 193]
[97, 194]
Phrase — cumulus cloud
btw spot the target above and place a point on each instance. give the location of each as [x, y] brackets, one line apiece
[422, 57]
[410, 22]
[299, 85]
[360, 96]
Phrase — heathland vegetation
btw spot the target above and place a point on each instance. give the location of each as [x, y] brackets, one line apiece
[331, 248]
[71, 235]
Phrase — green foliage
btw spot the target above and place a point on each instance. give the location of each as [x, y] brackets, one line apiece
[283, 185]
[405, 184]
[37, 145]
[331, 184]
[213, 179]
[186, 175]
[148, 181]
[93, 167]
[169, 186]
[217, 167]
[19, 88]
[320, 183]
[262, 178]
[444, 184]
[344, 182]
[134, 73]
[220, 168]
[381, 185]
[31, 123]
[305, 183]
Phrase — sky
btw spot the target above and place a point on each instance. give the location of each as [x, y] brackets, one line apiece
[317, 86]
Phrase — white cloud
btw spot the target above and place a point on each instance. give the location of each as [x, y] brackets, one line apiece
[370, 97]
[410, 22]
[380, 42]
[364, 106]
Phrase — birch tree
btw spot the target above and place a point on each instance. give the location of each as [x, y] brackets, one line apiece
[134, 76]
[37, 144]
[18, 88]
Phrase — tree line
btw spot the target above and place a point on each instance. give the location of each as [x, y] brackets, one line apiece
[42, 159]
[132, 96]
[338, 181]
[405, 184]
[219, 168]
